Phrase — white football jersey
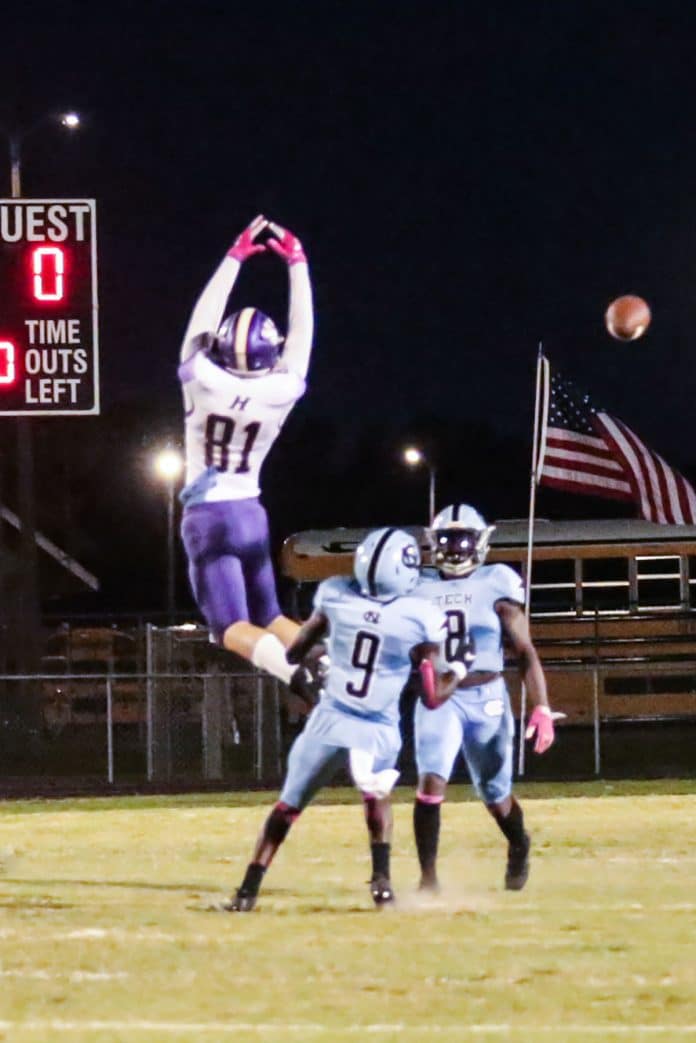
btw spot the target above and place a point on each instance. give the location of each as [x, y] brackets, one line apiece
[369, 643]
[231, 422]
[469, 605]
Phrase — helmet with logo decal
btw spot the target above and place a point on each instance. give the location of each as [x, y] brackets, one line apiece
[459, 539]
[387, 564]
[247, 343]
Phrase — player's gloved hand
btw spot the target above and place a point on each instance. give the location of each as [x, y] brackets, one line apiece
[540, 724]
[286, 245]
[464, 656]
[244, 245]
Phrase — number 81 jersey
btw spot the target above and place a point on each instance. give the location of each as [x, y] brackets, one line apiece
[231, 422]
[469, 605]
[369, 644]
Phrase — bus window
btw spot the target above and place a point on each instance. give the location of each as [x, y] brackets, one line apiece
[659, 582]
[553, 587]
[605, 585]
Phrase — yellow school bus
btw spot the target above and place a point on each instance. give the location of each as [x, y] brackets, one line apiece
[612, 607]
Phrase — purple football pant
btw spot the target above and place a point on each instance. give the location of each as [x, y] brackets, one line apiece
[230, 568]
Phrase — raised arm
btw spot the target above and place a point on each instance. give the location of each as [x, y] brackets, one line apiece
[210, 306]
[298, 342]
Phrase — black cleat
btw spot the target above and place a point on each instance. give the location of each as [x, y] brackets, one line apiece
[517, 869]
[381, 890]
[243, 902]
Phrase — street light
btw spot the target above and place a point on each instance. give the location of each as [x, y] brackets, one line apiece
[71, 120]
[414, 457]
[168, 465]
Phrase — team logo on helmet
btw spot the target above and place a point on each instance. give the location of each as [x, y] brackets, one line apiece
[387, 564]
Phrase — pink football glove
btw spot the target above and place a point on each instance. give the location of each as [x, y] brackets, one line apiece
[286, 245]
[540, 724]
[244, 245]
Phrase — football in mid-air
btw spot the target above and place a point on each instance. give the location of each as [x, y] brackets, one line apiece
[628, 317]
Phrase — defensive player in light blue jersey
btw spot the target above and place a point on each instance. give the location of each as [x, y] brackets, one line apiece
[374, 631]
[483, 604]
[240, 379]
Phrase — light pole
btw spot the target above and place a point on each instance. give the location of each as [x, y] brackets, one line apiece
[25, 445]
[71, 120]
[169, 464]
[413, 456]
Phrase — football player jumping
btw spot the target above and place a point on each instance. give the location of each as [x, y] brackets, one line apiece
[482, 604]
[373, 626]
[240, 380]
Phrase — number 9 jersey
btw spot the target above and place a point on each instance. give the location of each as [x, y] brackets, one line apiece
[369, 644]
[231, 424]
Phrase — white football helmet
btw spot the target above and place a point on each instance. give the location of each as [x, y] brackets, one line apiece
[387, 564]
[459, 539]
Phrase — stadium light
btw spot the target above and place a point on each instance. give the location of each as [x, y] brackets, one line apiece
[169, 465]
[414, 457]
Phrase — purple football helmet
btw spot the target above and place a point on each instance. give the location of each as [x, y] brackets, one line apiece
[247, 343]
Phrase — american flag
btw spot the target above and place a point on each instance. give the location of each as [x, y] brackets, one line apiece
[586, 450]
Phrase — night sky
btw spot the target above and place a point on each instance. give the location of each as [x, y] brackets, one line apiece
[466, 183]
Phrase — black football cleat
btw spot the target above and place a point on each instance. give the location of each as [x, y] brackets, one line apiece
[243, 902]
[381, 890]
[517, 869]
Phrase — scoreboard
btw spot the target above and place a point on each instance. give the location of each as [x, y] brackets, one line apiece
[49, 358]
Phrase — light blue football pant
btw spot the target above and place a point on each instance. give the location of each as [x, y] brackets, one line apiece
[479, 723]
[322, 749]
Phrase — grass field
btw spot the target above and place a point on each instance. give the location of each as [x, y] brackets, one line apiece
[106, 932]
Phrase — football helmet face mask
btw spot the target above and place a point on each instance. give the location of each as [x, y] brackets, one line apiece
[247, 343]
[459, 539]
[387, 564]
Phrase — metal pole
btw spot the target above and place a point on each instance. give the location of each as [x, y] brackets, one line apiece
[25, 455]
[258, 773]
[523, 719]
[431, 496]
[595, 714]
[149, 724]
[15, 168]
[109, 731]
[170, 552]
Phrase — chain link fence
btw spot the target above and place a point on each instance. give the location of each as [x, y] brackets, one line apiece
[160, 706]
[163, 707]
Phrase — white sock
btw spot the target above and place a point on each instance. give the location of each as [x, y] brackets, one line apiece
[269, 654]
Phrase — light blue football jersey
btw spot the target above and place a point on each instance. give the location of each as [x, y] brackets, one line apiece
[469, 605]
[369, 643]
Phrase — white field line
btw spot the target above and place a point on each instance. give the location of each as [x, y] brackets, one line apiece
[279, 1029]
[74, 977]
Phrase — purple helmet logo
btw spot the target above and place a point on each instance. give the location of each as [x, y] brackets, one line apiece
[247, 342]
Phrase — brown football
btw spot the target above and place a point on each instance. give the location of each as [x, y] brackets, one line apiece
[628, 317]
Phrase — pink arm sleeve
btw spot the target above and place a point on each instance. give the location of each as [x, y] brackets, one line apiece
[427, 673]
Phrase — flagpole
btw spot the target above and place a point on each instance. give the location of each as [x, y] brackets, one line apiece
[537, 457]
